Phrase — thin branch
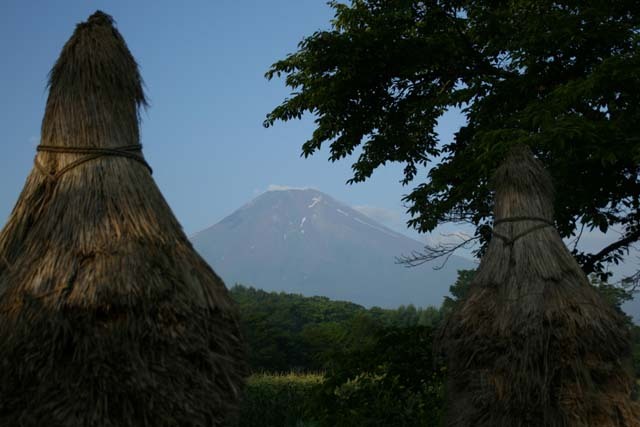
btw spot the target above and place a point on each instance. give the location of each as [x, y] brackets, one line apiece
[589, 265]
[431, 253]
[631, 283]
[577, 239]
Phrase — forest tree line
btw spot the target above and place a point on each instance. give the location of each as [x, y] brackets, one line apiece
[291, 332]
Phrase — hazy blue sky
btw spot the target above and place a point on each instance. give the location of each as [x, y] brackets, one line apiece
[203, 63]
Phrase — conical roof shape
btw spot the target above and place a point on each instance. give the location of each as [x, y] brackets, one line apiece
[108, 317]
[534, 344]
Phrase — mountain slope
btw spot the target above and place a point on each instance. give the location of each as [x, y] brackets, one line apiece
[304, 241]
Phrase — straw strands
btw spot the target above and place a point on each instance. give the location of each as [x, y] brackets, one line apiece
[533, 344]
[108, 317]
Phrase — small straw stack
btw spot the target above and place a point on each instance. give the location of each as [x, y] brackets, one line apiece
[534, 344]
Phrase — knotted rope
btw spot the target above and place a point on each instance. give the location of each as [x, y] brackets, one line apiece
[508, 241]
[128, 151]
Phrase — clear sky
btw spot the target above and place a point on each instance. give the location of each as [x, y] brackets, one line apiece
[203, 63]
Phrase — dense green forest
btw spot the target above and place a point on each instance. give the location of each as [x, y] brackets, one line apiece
[288, 332]
[318, 362]
[376, 365]
[293, 332]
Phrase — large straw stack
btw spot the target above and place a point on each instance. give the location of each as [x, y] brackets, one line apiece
[533, 344]
[108, 317]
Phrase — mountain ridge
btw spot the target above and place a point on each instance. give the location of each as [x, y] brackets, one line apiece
[305, 241]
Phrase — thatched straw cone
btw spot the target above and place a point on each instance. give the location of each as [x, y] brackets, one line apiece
[108, 317]
[533, 344]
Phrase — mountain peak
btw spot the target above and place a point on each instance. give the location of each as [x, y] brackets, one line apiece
[304, 241]
[274, 187]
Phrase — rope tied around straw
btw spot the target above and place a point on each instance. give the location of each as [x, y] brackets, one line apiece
[509, 241]
[128, 151]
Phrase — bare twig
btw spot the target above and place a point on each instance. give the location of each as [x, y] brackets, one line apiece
[431, 253]
[631, 283]
[577, 239]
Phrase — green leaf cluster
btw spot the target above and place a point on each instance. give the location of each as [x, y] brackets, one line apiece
[392, 380]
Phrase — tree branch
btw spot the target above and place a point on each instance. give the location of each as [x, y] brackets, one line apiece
[431, 253]
[591, 260]
[577, 239]
[631, 283]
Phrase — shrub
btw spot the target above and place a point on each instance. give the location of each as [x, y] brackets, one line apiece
[392, 380]
[278, 400]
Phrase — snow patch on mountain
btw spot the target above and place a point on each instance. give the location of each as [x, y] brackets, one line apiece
[275, 187]
[314, 202]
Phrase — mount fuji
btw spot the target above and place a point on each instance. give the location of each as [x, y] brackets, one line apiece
[304, 241]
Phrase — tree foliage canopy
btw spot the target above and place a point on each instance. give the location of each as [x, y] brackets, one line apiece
[562, 77]
[293, 332]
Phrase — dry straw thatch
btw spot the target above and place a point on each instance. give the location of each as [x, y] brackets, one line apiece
[533, 344]
[108, 317]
